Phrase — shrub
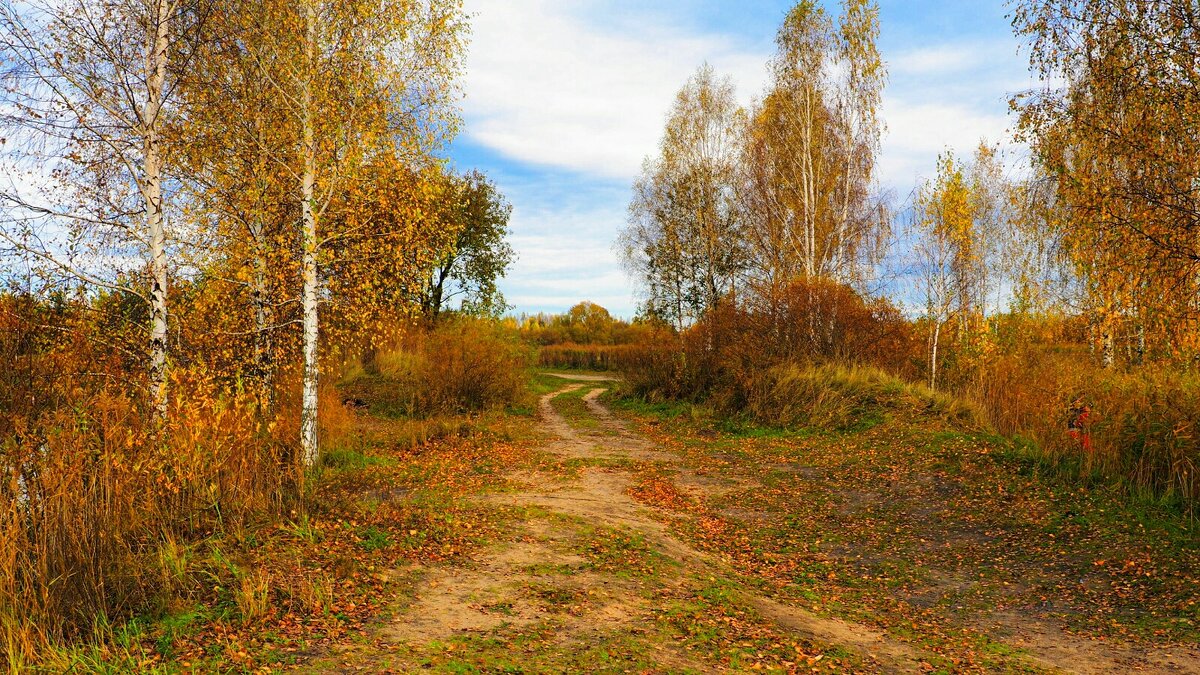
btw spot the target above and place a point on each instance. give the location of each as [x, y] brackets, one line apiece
[721, 358]
[820, 320]
[469, 366]
[464, 366]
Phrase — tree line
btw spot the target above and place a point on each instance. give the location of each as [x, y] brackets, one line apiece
[254, 186]
[750, 200]
[739, 203]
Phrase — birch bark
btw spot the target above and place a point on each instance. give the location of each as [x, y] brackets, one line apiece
[308, 222]
[152, 197]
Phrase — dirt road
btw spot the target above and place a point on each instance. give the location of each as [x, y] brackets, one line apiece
[593, 577]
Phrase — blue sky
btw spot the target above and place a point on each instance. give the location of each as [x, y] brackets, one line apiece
[564, 98]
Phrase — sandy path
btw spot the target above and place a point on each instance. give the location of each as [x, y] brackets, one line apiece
[584, 378]
[502, 586]
[492, 592]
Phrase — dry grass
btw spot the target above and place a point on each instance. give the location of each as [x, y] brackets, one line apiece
[102, 511]
[778, 363]
[1144, 425]
[836, 396]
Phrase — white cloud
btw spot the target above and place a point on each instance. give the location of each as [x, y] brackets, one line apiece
[549, 85]
[939, 59]
[918, 132]
[566, 251]
[951, 58]
[948, 95]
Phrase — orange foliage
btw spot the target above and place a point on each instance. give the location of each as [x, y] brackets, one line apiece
[91, 491]
[814, 322]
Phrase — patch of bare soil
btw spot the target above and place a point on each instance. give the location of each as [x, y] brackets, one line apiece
[1053, 647]
[584, 378]
[711, 484]
[873, 645]
[520, 583]
[502, 588]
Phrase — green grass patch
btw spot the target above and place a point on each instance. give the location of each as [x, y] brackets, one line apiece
[621, 552]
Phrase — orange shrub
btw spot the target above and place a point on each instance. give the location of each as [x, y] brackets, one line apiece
[720, 358]
[461, 366]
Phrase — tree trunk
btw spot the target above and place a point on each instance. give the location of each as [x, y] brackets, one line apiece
[152, 197]
[436, 295]
[1107, 348]
[264, 315]
[308, 216]
[933, 353]
[264, 366]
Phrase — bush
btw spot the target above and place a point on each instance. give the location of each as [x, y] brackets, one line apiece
[821, 320]
[470, 366]
[722, 357]
[464, 366]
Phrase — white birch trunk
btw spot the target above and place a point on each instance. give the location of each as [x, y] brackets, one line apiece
[933, 353]
[308, 216]
[1108, 353]
[152, 197]
[263, 357]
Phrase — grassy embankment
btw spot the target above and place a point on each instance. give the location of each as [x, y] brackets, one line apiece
[887, 504]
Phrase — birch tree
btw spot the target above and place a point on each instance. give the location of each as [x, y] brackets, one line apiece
[360, 81]
[239, 192]
[685, 231]
[1115, 127]
[809, 183]
[88, 88]
[946, 251]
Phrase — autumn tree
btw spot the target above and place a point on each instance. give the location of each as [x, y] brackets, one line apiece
[1115, 128]
[683, 239]
[239, 193]
[479, 256]
[944, 250]
[395, 234]
[363, 84]
[808, 187]
[588, 323]
[88, 92]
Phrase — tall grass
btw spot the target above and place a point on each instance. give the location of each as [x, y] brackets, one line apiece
[838, 396]
[93, 498]
[1143, 428]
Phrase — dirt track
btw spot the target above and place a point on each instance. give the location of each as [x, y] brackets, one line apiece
[508, 585]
